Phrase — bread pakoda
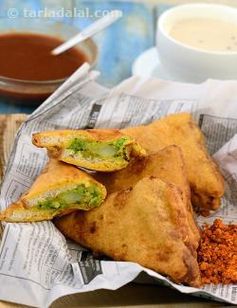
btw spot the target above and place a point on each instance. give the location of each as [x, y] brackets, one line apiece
[142, 224]
[168, 165]
[58, 190]
[101, 150]
[206, 181]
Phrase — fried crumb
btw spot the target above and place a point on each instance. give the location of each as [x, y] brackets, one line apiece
[217, 253]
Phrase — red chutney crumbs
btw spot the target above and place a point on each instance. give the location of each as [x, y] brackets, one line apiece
[217, 253]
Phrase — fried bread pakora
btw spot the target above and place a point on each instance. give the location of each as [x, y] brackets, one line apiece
[206, 181]
[101, 150]
[141, 224]
[168, 165]
[58, 190]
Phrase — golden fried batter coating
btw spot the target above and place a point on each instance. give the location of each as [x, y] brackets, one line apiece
[95, 149]
[206, 181]
[143, 224]
[167, 165]
[58, 190]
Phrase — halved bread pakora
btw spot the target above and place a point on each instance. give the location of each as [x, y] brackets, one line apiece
[101, 150]
[58, 190]
[206, 181]
[167, 165]
[142, 224]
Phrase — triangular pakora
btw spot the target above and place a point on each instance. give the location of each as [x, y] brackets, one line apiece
[168, 165]
[206, 181]
[58, 190]
[142, 224]
[97, 149]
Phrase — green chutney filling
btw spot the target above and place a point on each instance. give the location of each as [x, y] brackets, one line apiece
[86, 197]
[98, 149]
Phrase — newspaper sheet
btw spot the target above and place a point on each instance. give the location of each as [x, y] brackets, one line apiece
[37, 265]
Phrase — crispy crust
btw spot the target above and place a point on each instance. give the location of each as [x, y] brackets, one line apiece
[168, 165]
[142, 225]
[17, 212]
[42, 139]
[57, 141]
[56, 176]
[206, 181]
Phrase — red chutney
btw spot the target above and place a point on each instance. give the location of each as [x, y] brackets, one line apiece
[27, 56]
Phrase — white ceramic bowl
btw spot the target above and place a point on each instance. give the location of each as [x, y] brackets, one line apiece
[189, 63]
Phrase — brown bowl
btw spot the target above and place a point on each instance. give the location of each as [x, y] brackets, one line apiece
[28, 92]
